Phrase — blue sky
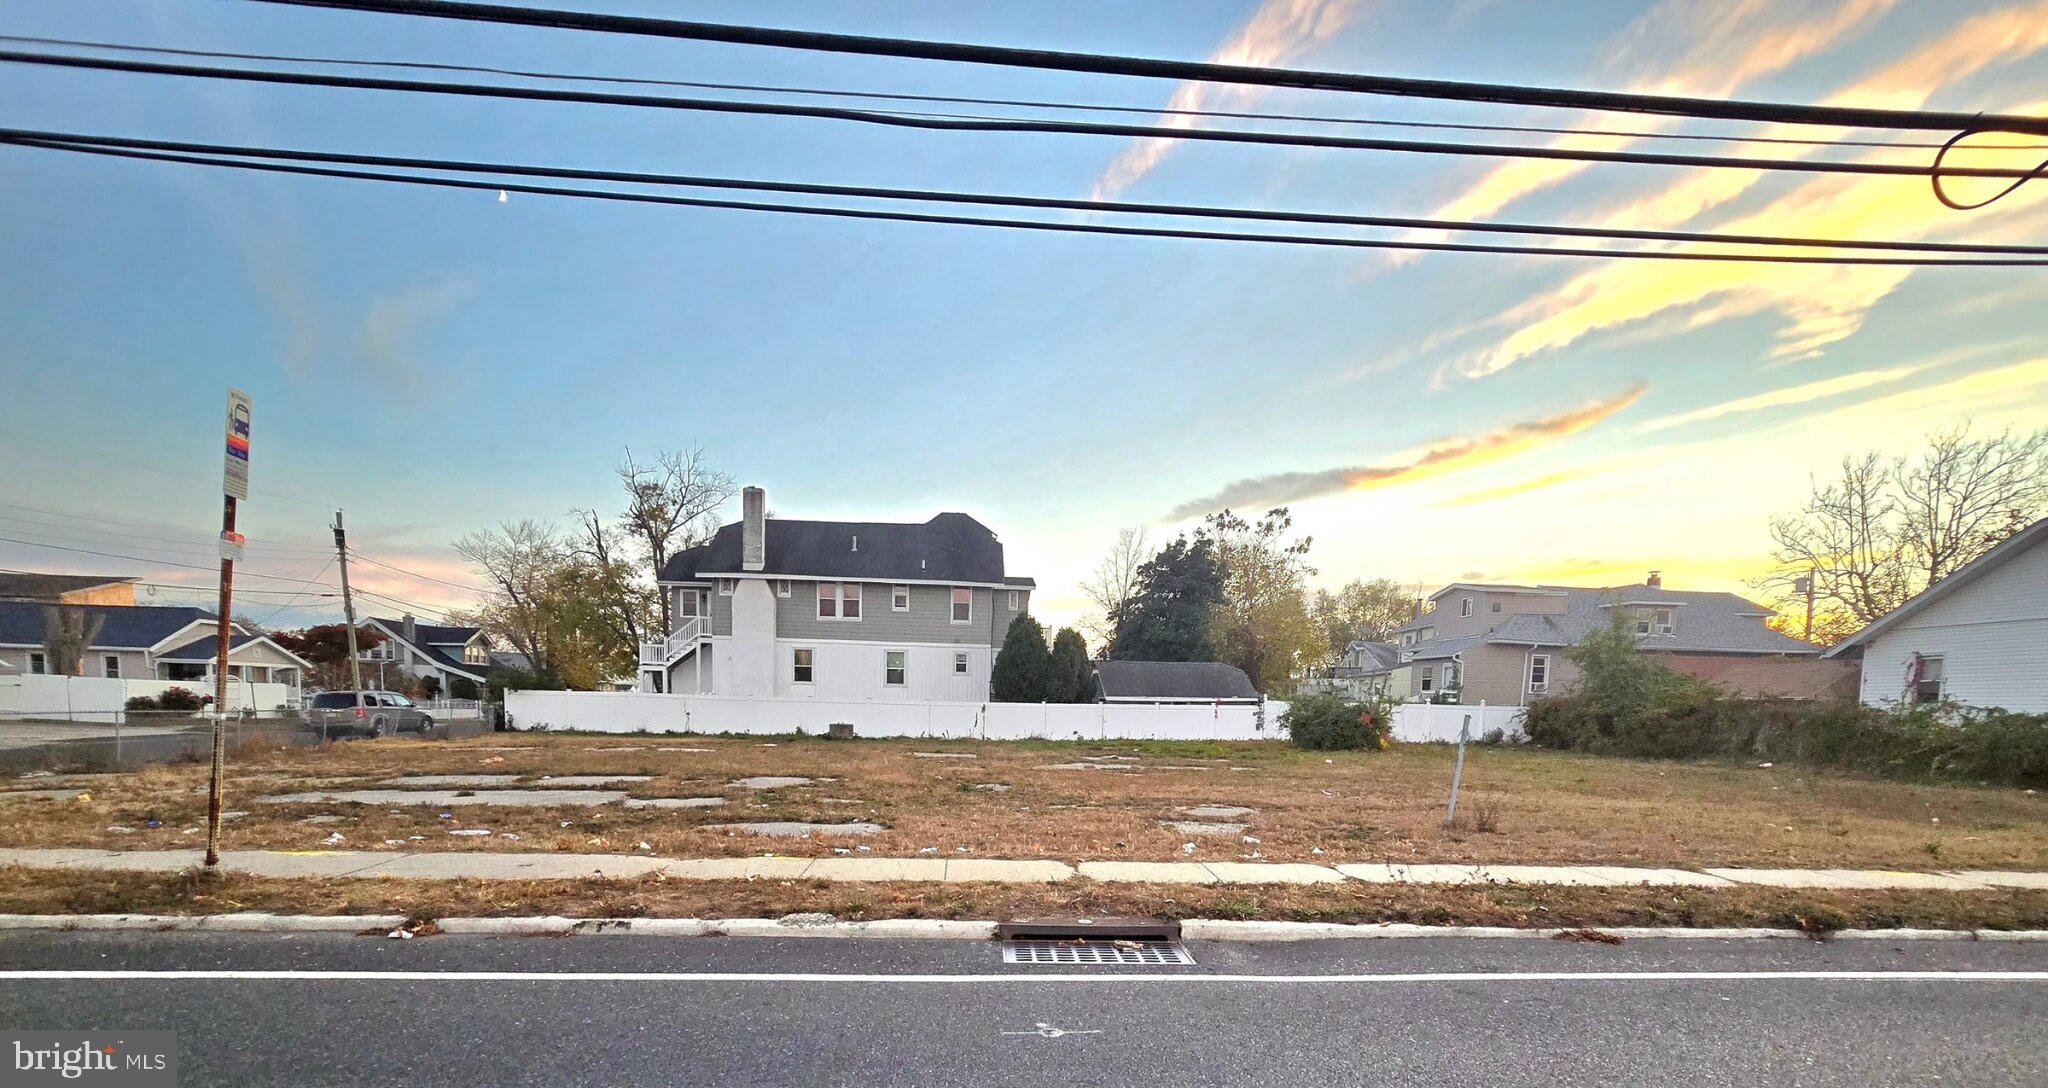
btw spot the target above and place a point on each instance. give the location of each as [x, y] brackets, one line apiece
[435, 362]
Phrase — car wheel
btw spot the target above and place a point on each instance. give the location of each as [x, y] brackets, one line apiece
[426, 724]
[378, 727]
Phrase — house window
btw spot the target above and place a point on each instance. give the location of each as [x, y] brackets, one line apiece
[839, 600]
[782, 587]
[800, 669]
[1929, 684]
[1655, 620]
[1465, 607]
[1428, 633]
[1494, 606]
[899, 598]
[1539, 673]
[1015, 600]
[1450, 676]
[963, 606]
[894, 668]
[725, 587]
[112, 664]
[38, 664]
[1429, 678]
[689, 603]
[959, 664]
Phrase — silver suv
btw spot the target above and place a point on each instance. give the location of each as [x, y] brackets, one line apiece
[382, 714]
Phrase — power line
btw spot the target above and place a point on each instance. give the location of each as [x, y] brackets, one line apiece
[192, 566]
[1282, 139]
[1452, 90]
[101, 520]
[291, 600]
[1022, 103]
[46, 138]
[1019, 224]
[415, 574]
[281, 550]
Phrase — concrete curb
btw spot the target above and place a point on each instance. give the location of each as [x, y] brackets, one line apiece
[1195, 929]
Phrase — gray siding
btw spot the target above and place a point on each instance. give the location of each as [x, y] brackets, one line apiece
[928, 620]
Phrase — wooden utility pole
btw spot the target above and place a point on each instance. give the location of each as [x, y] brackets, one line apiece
[234, 488]
[1806, 585]
[348, 612]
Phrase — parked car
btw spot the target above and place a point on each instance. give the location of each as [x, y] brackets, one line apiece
[383, 713]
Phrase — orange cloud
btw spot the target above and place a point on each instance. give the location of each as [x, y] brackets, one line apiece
[1439, 458]
[1508, 491]
[1278, 32]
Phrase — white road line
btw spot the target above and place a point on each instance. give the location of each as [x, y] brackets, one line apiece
[1106, 978]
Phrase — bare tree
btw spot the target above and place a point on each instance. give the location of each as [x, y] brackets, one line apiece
[625, 598]
[1964, 495]
[1114, 583]
[671, 503]
[68, 632]
[522, 561]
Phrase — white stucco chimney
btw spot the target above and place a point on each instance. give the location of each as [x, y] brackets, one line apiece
[754, 529]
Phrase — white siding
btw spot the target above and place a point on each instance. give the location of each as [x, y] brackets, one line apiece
[854, 671]
[1992, 635]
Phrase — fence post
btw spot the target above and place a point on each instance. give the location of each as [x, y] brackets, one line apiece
[1458, 772]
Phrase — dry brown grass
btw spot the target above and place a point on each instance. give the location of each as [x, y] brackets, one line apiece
[63, 892]
[1520, 805]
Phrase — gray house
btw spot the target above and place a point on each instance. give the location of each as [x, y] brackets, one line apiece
[456, 657]
[146, 642]
[1503, 644]
[830, 610]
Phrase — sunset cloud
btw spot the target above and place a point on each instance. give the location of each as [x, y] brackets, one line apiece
[1447, 455]
[1277, 33]
[1508, 491]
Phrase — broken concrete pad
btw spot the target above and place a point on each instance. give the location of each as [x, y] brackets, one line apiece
[326, 818]
[990, 787]
[769, 782]
[945, 755]
[1090, 767]
[1215, 812]
[458, 781]
[794, 829]
[444, 798]
[1196, 827]
[585, 781]
[42, 795]
[674, 802]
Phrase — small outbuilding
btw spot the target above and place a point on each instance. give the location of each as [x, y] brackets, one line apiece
[1173, 682]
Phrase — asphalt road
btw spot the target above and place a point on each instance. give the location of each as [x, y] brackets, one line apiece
[927, 1013]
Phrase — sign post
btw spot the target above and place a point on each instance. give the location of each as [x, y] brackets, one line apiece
[234, 488]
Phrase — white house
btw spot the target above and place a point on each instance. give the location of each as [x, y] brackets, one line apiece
[1977, 637]
[839, 610]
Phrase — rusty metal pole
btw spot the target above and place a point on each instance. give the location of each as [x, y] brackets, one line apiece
[220, 687]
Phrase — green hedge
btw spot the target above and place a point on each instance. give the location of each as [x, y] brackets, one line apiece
[1333, 723]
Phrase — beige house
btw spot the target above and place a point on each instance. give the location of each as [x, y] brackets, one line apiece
[1504, 644]
[144, 642]
[66, 588]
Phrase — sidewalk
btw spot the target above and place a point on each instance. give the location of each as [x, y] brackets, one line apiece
[494, 865]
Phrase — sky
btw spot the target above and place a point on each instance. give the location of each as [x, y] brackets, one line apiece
[435, 362]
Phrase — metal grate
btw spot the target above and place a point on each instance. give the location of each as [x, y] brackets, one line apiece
[1096, 952]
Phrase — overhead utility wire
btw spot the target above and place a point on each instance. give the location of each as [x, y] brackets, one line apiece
[1018, 224]
[50, 138]
[192, 566]
[1023, 103]
[1287, 139]
[1453, 90]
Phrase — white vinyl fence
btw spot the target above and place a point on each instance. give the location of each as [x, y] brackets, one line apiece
[102, 698]
[643, 712]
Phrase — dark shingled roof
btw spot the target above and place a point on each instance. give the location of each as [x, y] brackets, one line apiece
[28, 585]
[207, 649]
[432, 640]
[1171, 681]
[130, 627]
[949, 548]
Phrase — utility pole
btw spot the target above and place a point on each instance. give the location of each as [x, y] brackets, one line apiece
[1805, 585]
[348, 612]
[234, 488]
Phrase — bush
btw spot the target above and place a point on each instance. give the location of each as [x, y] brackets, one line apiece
[142, 702]
[1330, 722]
[179, 699]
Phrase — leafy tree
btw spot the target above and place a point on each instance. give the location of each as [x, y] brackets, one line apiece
[550, 603]
[1168, 618]
[1070, 677]
[325, 647]
[1263, 624]
[1023, 666]
[1358, 611]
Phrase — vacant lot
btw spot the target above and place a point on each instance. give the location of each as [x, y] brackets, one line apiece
[1068, 802]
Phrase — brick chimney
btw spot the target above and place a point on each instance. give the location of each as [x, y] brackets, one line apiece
[1655, 580]
[754, 530]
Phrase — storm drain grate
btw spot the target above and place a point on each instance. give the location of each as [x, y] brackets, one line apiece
[1096, 952]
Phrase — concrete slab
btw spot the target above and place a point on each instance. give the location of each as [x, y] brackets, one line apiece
[141, 861]
[1244, 872]
[1090, 767]
[446, 798]
[967, 870]
[792, 829]
[48, 857]
[673, 802]
[945, 755]
[768, 782]
[739, 868]
[456, 781]
[1412, 874]
[1197, 827]
[1676, 878]
[1995, 879]
[990, 787]
[1543, 874]
[585, 781]
[510, 866]
[1147, 872]
[861, 869]
[1849, 879]
[1215, 812]
[315, 863]
[40, 795]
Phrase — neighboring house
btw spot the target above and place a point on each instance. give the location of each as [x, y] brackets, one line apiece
[419, 650]
[1977, 637]
[66, 588]
[1504, 644]
[1367, 668]
[836, 610]
[149, 642]
[1173, 682]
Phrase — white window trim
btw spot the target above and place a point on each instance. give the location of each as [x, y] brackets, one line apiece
[110, 666]
[1940, 682]
[38, 663]
[961, 664]
[838, 600]
[903, 683]
[1536, 688]
[1464, 606]
[726, 586]
[1015, 599]
[953, 605]
[782, 587]
[793, 666]
[1429, 678]
[897, 593]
